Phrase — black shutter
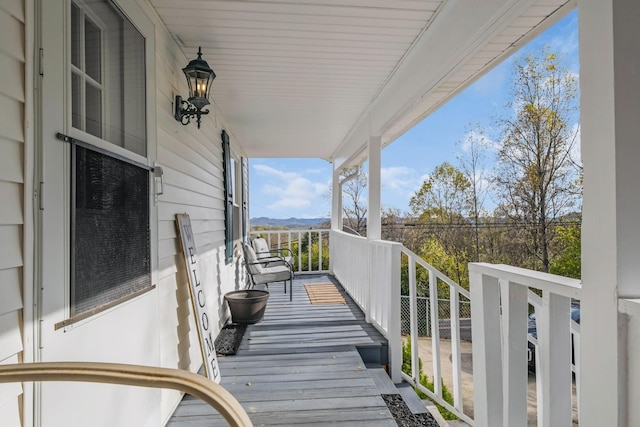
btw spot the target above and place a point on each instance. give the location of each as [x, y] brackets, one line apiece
[245, 199]
[228, 195]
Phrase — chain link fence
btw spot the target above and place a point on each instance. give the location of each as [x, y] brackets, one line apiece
[444, 314]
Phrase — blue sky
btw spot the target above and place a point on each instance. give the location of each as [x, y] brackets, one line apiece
[283, 188]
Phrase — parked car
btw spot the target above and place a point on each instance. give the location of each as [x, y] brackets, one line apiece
[575, 316]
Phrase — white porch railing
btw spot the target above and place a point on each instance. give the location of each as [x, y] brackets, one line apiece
[294, 240]
[370, 273]
[436, 324]
[500, 298]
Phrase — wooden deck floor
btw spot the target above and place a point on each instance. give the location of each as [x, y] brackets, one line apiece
[300, 366]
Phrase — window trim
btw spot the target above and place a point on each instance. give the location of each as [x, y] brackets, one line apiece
[144, 25]
[74, 318]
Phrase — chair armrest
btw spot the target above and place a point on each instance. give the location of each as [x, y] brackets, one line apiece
[133, 375]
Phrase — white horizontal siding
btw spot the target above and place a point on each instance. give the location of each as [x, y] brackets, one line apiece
[10, 289]
[10, 244]
[11, 195]
[191, 159]
[11, 118]
[12, 98]
[12, 72]
[12, 40]
[11, 166]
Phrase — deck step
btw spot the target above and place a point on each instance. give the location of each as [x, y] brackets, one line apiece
[374, 354]
[382, 381]
[410, 397]
[386, 386]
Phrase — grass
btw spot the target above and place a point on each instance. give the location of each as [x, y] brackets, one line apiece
[426, 382]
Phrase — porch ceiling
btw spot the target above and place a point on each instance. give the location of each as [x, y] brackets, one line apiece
[315, 78]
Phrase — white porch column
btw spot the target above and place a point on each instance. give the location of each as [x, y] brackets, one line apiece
[336, 201]
[374, 226]
[336, 210]
[610, 111]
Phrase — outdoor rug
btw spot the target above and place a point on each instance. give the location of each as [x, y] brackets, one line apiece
[228, 340]
[324, 293]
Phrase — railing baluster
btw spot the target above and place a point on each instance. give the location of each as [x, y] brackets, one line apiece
[320, 250]
[393, 307]
[456, 359]
[309, 250]
[575, 337]
[413, 317]
[514, 332]
[487, 353]
[299, 251]
[435, 333]
[554, 347]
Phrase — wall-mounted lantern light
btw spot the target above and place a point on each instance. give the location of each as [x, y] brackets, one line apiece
[199, 78]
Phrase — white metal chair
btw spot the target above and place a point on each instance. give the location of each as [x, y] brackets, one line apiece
[265, 271]
[263, 252]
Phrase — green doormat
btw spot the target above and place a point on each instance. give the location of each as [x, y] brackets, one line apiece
[229, 339]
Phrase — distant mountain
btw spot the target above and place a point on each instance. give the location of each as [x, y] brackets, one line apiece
[289, 222]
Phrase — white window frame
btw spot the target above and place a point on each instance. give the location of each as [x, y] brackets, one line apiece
[144, 25]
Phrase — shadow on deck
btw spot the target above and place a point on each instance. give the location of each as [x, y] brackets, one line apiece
[301, 366]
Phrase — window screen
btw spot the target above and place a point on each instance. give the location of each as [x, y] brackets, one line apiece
[110, 230]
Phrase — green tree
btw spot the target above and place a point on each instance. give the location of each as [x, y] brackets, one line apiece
[568, 262]
[441, 206]
[473, 164]
[354, 202]
[536, 175]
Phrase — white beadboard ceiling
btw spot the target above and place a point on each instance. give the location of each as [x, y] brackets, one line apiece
[316, 78]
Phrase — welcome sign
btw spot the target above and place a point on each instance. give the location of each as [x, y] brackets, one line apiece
[198, 301]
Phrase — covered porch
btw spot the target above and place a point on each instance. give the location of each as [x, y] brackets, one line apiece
[329, 79]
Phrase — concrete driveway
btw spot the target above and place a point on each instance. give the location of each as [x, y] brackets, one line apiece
[425, 354]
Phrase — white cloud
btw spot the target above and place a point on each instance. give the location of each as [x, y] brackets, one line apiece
[400, 178]
[290, 194]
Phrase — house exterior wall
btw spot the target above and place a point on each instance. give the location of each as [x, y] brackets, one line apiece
[193, 183]
[156, 328]
[12, 179]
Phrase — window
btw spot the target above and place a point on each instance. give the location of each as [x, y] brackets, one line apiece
[228, 193]
[110, 211]
[107, 75]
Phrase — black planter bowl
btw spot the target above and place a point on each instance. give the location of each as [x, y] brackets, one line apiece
[248, 305]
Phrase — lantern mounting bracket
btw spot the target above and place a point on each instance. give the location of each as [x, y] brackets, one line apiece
[185, 111]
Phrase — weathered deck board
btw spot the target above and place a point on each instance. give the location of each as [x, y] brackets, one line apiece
[299, 366]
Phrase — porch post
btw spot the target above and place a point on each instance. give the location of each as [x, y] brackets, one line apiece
[610, 106]
[336, 210]
[374, 227]
[336, 201]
